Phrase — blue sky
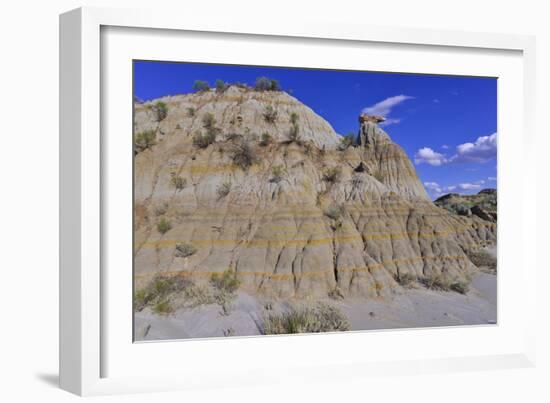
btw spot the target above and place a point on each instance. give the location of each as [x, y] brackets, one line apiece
[446, 124]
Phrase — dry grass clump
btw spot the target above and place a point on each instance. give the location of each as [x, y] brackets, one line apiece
[226, 281]
[346, 142]
[460, 286]
[294, 133]
[191, 111]
[185, 250]
[243, 155]
[332, 175]
[223, 190]
[196, 295]
[161, 209]
[270, 114]
[225, 285]
[406, 280]
[439, 282]
[157, 294]
[160, 109]
[483, 259]
[178, 182]
[321, 317]
[163, 308]
[277, 173]
[164, 294]
[144, 140]
[336, 294]
[265, 139]
[201, 140]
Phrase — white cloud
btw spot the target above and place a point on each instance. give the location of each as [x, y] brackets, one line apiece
[432, 185]
[482, 150]
[492, 179]
[384, 107]
[436, 190]
[436, 100]
[445, 147]
[389, 121]
[428, 156]
[468, 186]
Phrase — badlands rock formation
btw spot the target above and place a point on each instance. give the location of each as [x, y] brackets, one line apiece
[482, 204]
[307, 218]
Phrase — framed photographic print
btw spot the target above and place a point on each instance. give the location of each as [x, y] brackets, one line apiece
[316, 198]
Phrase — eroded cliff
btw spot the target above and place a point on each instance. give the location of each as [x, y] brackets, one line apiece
[273, 196]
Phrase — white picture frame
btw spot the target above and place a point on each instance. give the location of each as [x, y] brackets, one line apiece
[85, 311]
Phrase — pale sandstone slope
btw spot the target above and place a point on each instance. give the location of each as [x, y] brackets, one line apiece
[276, 234]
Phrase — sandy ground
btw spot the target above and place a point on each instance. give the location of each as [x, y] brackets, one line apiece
[413, 308]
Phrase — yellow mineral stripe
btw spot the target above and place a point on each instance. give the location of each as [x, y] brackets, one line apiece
[170, 243]
[312, 274]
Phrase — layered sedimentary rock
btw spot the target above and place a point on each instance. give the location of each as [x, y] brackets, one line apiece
[304, 219]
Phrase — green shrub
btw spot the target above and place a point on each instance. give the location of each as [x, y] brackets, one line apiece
[208, 121]
[437, 282]
[163, 308]
[266, 84]
[140, 299]
[405, 279]
[275, 86]
[277, 173]
[346, 142]
[332, 175]
[200, 86]
[221, 86]
[462, 209]
[319, 318]
[223, 190]
[201, 140]
[185, 250]
[160, 110]
[265, 139]
[144, 140]
[157, 290]
[335, 211]
[191, 111]
[163, 226]
[294, 134]
[460, 286]
[178, 182]
[226, 281]
[270, 114]
[243, 155]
